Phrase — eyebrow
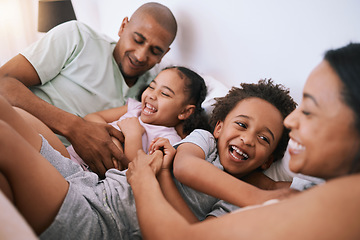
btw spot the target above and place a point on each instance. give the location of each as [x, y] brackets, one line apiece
[144, 38]
[266, 128]
[306, 95]
[165, 87]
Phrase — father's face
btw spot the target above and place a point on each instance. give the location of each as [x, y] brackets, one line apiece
[142, 44]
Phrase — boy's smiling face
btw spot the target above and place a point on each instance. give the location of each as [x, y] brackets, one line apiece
[248, 136]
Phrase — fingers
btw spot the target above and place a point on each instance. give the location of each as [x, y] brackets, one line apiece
[156, 161]
[115, 162]
[115, 133]
[158, 144]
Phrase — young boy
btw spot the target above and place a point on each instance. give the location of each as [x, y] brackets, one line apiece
[248, 136]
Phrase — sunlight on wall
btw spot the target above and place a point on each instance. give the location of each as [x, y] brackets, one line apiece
[18, 23]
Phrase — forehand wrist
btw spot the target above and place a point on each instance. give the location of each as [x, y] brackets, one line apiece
[71, 123]
[142, 181]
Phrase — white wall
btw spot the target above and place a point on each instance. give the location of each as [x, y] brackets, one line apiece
[245, 40]
[235, 40]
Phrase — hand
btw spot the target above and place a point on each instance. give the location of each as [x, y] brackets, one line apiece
[117, 164]
[131, 126]
[164, 145]
[144, 165]
[92, 141]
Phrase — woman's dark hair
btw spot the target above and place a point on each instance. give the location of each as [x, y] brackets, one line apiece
[346, 63]
[196, 90]
[275, 94]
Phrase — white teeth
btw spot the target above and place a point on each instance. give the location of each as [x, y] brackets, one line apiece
[295, 145]
[150, 107]
[238, 151]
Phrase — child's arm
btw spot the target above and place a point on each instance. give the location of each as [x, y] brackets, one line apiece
[191, 169]
[166, 182]
[260, 180]
[133, 132]
[107, 116]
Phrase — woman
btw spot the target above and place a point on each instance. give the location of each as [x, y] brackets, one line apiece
[325, 140]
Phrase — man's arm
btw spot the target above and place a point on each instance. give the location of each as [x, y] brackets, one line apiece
[92, 141]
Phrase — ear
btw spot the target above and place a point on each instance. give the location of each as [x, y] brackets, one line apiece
[217, 129]
[268, 163]
[124, 22]
[185, 114]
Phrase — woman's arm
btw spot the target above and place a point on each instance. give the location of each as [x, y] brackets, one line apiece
[320, 212]
[191, 169]
[166, 181]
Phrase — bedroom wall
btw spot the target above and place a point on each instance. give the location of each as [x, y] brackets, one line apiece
[241, 40]
[233, 40]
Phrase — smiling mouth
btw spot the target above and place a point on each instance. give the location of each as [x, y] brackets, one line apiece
[149, 109]
[135, 64]
[295, 147]
[237, 153]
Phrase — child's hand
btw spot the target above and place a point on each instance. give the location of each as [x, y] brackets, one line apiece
[164, 145]
[131, 126]
[143, 165]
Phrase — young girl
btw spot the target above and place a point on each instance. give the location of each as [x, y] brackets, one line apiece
[248, 136]
[66, 202]
[170, 107]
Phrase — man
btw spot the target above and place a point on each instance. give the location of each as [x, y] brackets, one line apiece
[73, 71]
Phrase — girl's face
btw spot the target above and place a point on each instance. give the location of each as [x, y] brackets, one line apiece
[164, 102]
[324, 139]
[248, 136]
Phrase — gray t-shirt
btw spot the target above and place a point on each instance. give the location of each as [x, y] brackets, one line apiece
[202, 204]
[105, 209]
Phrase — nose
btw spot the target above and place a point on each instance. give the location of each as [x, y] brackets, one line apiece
[141, 54]
[290, 121]
[152, 94]
[248, 139]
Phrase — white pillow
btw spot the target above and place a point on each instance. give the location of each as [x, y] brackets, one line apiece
[215, 89]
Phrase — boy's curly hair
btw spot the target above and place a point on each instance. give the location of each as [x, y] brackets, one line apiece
[276, 94]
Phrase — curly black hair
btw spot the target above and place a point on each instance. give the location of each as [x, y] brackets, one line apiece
[276, 94]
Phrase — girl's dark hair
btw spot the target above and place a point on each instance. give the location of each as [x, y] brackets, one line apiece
[346, 63]
[276, 94]
[196, 89]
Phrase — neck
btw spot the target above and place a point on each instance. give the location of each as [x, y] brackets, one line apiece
[179, 130]
[130, 81]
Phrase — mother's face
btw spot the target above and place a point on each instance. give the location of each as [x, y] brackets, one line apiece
[323, 137]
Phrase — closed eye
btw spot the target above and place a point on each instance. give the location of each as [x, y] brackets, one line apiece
[165, 94]
[306, 113]
[139, 38]
[156, 51]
